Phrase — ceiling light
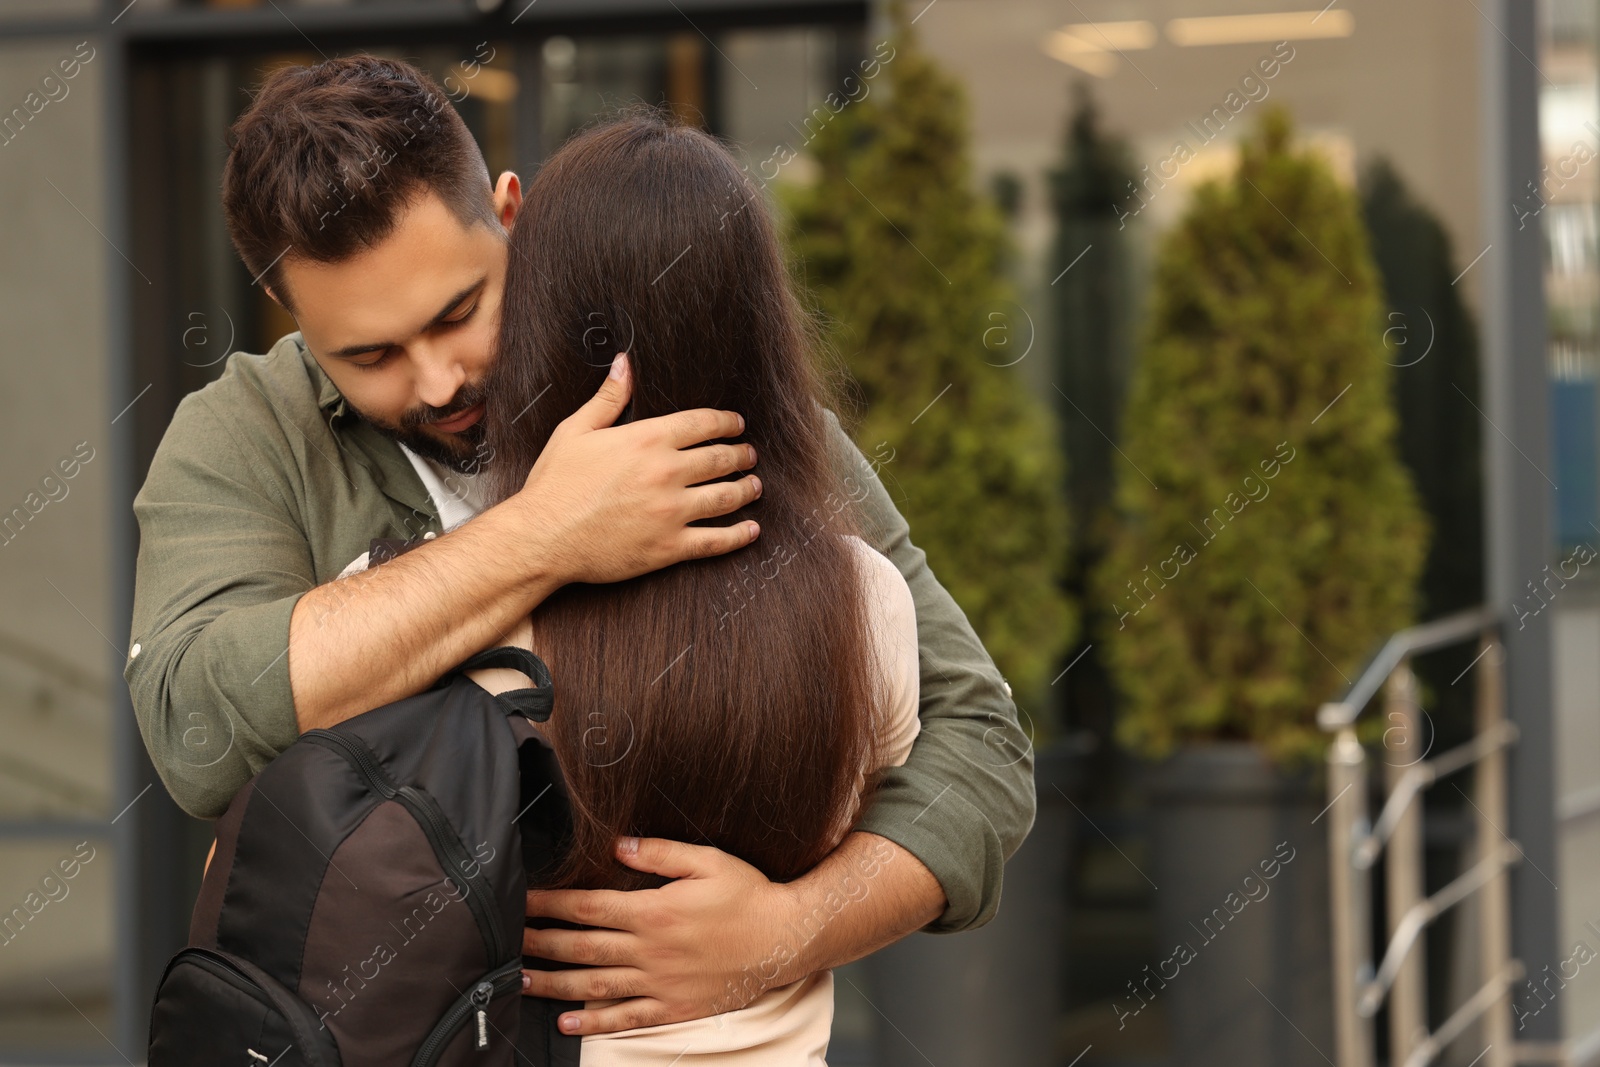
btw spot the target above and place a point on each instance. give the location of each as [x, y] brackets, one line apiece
[1092, 46]
[1071, 51]
[1112, 36]
[1247, 29]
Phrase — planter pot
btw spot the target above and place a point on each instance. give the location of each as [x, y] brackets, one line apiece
[992, 995]
[1242, 911]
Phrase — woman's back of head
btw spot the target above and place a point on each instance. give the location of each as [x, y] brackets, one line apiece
[727, 701]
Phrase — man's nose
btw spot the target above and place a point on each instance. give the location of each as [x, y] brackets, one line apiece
[439, 377]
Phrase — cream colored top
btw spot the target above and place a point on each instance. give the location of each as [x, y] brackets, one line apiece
[789, 1026]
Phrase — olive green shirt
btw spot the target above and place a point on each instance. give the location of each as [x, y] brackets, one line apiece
[267, 484]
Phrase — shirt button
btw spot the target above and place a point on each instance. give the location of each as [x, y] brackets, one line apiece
[429, 536]
[133, 653]
[1007, 687]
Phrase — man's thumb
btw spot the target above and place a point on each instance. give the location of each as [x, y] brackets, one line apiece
[606, 405]
[670, 859]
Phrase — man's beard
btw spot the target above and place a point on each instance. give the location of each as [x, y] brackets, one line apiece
[464, 452]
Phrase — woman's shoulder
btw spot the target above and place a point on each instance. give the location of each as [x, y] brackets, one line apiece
[878, 572]
[892, 630]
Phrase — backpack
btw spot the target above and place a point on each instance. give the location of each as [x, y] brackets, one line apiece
[366, 899]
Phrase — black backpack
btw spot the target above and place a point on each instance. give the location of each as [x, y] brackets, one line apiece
[365, 903]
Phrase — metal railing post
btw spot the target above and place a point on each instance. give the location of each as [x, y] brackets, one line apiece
[1356, 843]
[1404, 747]
[1494, 911]
[1349, 894]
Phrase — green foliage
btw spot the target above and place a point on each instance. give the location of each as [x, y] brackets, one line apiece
[1281, 538]
[907, 264]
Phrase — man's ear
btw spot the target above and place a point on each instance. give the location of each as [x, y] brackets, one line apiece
[507, 198]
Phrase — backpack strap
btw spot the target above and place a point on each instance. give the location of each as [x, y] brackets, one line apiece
[535, 703]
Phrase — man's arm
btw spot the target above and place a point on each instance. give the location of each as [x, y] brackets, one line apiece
[225, 585]
[597, 507]
[720, 934]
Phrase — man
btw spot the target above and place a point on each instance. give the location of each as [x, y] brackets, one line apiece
[357, 197]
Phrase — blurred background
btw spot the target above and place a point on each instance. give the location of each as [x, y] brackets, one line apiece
[1319, 285]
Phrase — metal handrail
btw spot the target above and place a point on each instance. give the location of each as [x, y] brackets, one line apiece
[1413, 922]
[1430, 636]
[1421, 776]
[1355, 845]
[1476, 1006]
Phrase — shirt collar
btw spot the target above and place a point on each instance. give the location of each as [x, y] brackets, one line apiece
[383, 456]
[329, 399]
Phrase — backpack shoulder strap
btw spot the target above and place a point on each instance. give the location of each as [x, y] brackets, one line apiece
[535, 703]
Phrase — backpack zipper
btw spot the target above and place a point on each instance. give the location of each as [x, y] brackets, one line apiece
[448, 848]
[291, 1009]
[474, 1003]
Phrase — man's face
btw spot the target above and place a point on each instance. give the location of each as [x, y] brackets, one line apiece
[406, 329]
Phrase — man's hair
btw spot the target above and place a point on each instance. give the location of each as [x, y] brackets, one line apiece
[326, 157]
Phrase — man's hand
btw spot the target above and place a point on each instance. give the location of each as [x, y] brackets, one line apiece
[720, 934]
[602, 504]
[615, 502]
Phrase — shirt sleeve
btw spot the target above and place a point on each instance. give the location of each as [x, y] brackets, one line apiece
[222, 563]
[964, 799]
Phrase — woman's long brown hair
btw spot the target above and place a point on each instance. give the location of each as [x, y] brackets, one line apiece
[727, 701]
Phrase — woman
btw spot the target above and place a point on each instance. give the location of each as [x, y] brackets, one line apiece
[744, 701]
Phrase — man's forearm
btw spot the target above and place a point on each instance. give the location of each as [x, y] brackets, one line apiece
[390, 631]
[868, 893]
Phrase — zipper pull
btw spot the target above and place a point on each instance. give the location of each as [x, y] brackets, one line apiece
[480, 1000]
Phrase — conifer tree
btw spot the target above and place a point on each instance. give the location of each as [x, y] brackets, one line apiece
[1269, 535]
[907, 264]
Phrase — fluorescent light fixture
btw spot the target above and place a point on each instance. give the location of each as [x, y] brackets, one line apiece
[1092, 46]
[1248, 29]
[1112, 36]
[1071, 51]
